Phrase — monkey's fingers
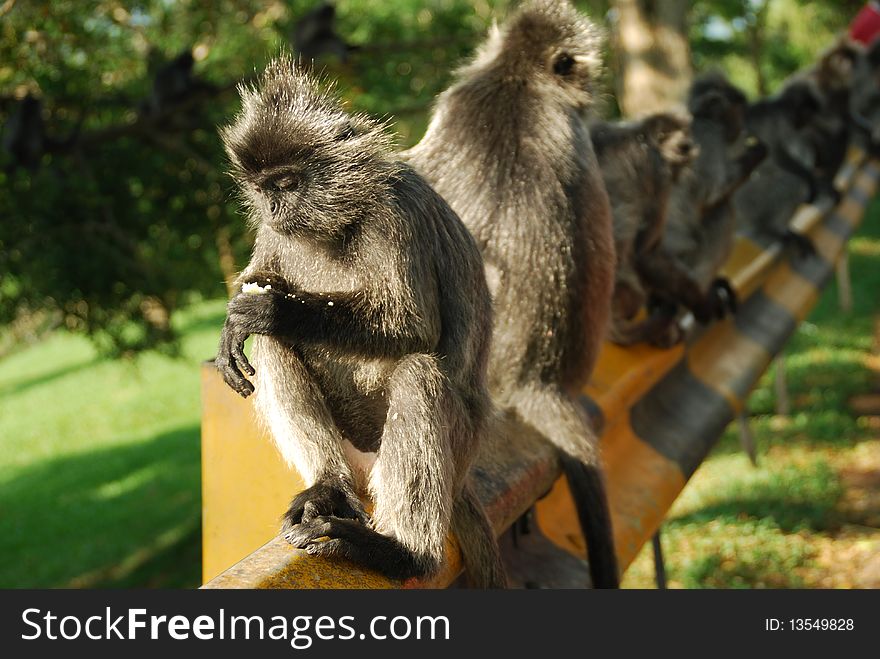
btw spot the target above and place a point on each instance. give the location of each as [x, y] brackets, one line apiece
[233, 377]
[306, 533]
[241, 359]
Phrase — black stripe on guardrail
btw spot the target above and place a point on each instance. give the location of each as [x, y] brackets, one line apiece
[681, 418]
[859, 195]
[814, 268]
[765, 322]
[838, 225]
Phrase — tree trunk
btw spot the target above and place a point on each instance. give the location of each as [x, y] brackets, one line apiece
[654, 58]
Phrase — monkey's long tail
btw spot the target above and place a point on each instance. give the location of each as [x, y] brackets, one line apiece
[479, 548]
[588, 491]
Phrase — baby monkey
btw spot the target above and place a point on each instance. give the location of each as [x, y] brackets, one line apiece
[372, 322]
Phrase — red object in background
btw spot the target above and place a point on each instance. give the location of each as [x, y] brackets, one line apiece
[866, 25]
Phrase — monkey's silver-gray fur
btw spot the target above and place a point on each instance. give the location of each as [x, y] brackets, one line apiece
[641, 161]
[508, 147]
[701, 220]
[371, 343]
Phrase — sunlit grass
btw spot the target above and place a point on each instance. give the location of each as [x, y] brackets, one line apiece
[99, 467]
[797, 520]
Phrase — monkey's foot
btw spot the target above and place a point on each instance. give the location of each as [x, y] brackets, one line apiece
[726, 295]
[800, 243]
[323, 499]
[345, 538]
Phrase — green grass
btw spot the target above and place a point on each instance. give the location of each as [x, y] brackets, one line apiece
[100, 465]
[796, 520]
[100, 482]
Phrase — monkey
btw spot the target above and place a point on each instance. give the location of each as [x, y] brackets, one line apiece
[640, 162]
[173, 83]
[832, 78]
[788, 177]
[24, 134]
[371, 324]
[314, 34]
[864, 103]
[701, 219]
[509, 148]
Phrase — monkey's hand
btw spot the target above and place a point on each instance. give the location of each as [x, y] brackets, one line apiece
[725, 296]
[231, 360]
[719, 300]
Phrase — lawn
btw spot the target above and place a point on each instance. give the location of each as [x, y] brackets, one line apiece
[99, 468]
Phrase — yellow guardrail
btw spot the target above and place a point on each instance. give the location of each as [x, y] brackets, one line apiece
[659, 411]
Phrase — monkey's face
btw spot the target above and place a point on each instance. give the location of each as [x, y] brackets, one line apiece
[303, 165]
[671, 134]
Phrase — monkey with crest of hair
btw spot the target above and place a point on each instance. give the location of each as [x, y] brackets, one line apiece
[509, 148]
[641, 162]
[372, 319]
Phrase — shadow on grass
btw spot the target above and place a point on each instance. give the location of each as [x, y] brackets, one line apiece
[786, 515]
[123, 516]
[20, 386]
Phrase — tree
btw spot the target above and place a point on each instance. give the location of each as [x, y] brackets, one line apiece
[653, 55]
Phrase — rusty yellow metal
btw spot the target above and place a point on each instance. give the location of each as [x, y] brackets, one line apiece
[245, 484]
[642, 484]
[747, 266]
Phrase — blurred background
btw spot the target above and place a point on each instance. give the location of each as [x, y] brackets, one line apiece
[119, 233]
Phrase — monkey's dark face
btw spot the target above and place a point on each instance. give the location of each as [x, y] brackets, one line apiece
[837, 66]
[671, 134]
[297, 156]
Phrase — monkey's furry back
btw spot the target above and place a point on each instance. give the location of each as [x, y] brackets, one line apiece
[507, 147]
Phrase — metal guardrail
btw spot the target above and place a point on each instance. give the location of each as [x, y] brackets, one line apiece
[642, 399]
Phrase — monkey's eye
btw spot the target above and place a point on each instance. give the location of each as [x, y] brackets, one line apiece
[284, 183]
[563, 64]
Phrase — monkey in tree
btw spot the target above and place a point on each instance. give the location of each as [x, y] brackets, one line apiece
[509, 148]
[314, 34]
[372, 322]
[24, 133]
[641, 161]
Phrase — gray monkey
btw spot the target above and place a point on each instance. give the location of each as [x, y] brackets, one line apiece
[509, 148]
[372, 320]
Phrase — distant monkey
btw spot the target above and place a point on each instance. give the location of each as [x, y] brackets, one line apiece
[510, 150]
[701, 220]
[24, 133]
[314, 34]
[641, 161]
[373, 323]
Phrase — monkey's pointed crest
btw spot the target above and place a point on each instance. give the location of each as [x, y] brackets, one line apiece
[286, 114]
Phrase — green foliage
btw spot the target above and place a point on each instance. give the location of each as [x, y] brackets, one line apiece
[129, 216]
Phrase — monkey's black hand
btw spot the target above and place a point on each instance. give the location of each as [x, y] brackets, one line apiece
[231, 360]
[726, 296]
[323, 499]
